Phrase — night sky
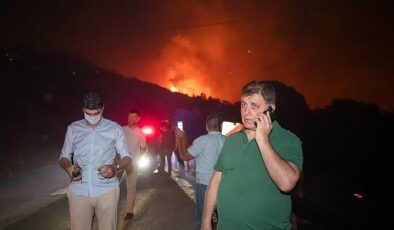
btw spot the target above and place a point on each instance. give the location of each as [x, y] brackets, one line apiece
[324, 49]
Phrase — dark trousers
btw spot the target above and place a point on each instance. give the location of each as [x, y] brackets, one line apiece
[180, 161]
[200, 195]
[165, 153]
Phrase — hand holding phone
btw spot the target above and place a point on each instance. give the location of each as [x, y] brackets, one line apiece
[76, 173]
[180, 125]
[271, 113]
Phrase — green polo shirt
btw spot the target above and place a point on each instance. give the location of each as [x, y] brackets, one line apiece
[247, 198]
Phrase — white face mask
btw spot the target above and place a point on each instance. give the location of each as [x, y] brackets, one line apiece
[93, 120]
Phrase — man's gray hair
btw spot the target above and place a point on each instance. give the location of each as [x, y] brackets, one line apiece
[264, 88]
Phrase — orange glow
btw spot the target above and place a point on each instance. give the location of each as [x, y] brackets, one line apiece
[179, 68]
[189, 86]
[223, 45]
[173, 89]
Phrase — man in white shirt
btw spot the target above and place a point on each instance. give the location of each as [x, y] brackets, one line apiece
[136, 142]
[93, 142]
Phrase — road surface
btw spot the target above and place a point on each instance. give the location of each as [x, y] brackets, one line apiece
[37, 200]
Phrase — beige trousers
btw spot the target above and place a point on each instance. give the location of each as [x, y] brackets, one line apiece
[131, 177]
[82, 209]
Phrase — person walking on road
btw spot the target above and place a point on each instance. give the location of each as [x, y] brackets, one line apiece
[94, 188]
[136, 141]
[167, 146]
[205, 149]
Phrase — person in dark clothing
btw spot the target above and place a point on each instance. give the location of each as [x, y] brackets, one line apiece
[180, 162]
[167, 146]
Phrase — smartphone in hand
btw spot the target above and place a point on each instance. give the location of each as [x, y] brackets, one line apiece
[180, 125]
[76, 171]
[271, 113]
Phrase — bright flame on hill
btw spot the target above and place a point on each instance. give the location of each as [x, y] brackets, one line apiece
[173, 89]
[180, 68]
[189, 86]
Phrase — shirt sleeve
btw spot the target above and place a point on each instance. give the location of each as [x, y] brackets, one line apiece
[197, 147]
[219, 163]
[292, 153]
[67, 149]
[121, 144]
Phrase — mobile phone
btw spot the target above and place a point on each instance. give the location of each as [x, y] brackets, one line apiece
[180, 125]
[271, 113]
[76, 171]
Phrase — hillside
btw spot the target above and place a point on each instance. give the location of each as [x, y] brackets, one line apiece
[40, 95]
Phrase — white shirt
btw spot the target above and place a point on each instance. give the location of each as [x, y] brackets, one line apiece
[135, 140]
[93, 148]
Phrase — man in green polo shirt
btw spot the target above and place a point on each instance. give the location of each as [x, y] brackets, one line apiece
[257, 168]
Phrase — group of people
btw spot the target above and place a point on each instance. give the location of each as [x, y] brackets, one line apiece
[247, 176]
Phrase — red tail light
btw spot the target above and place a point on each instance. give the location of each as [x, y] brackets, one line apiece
[358, 196]
[147, 130]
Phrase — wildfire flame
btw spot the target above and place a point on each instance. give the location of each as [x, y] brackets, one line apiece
[173, 89]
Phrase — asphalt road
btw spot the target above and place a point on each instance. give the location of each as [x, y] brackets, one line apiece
[29, 192]
[36, 200]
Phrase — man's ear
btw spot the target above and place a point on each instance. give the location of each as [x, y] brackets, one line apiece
[273, 107]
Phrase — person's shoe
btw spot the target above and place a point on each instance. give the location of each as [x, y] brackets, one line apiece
[129, 216]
